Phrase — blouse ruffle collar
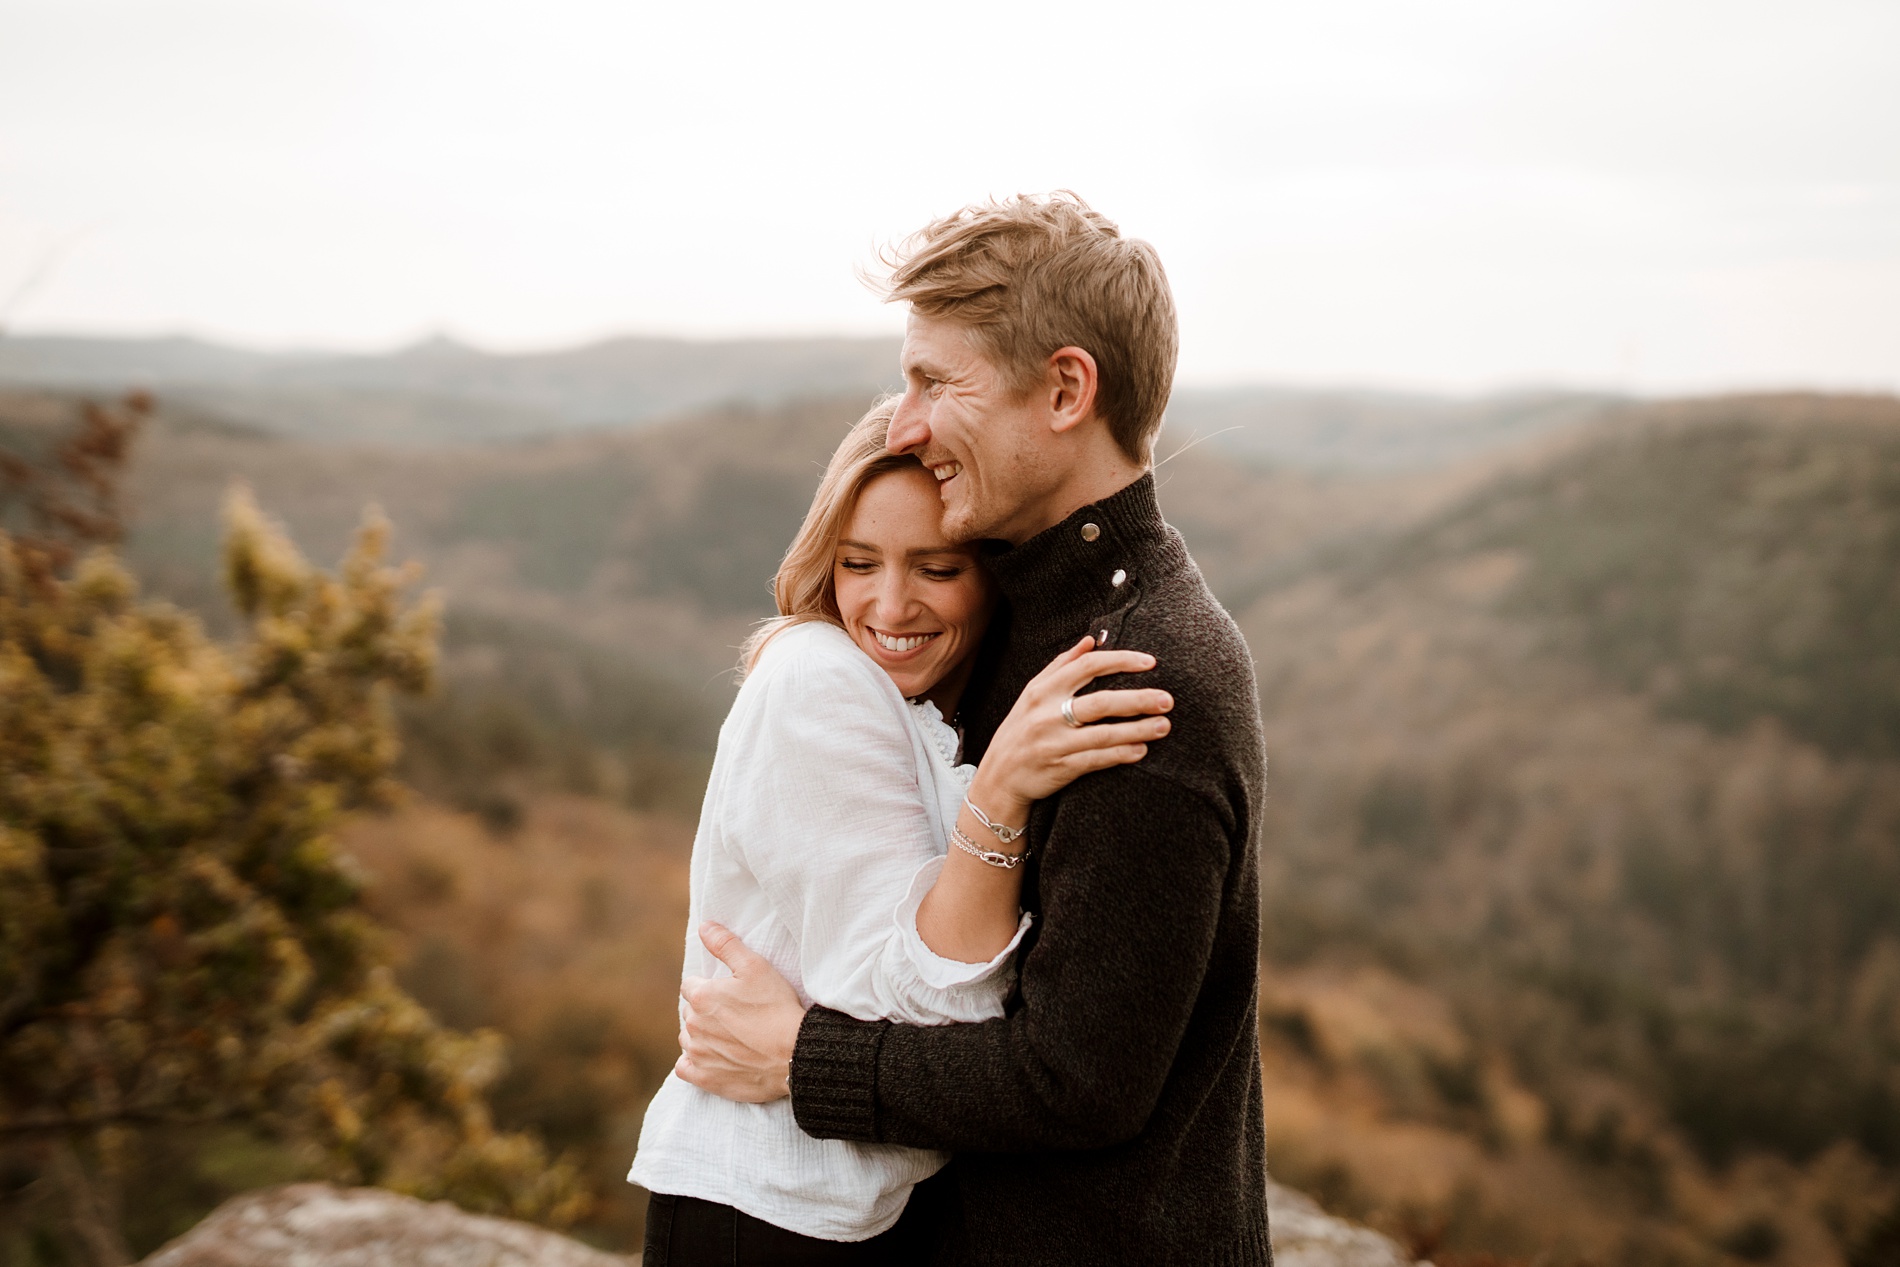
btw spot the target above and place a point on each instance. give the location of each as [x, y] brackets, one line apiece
[943, 737]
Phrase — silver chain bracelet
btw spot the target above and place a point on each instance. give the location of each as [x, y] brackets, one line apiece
[1007, 835]
[995, 857]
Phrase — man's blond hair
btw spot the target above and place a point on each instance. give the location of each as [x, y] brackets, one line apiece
[1031, 275]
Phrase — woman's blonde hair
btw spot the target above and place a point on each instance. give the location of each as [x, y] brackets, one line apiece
[804, 587]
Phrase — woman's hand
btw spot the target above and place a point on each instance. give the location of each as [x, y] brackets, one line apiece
[1036, 752]
[971, 912]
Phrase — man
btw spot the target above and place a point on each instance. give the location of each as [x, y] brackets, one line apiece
[1113, 1115]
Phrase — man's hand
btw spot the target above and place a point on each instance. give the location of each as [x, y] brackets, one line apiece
[737, 1032]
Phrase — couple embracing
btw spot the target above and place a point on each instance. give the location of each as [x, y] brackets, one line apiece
[974, 957]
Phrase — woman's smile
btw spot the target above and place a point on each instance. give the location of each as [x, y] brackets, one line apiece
[902, 644]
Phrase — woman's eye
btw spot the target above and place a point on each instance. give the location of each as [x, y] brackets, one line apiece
[856, 565]
[943, 574]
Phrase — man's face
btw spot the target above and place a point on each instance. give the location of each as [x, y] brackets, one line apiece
[987, 444]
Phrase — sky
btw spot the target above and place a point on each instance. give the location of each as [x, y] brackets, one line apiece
[1463, 195]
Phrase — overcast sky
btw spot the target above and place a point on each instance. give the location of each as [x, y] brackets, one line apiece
[1464, 194]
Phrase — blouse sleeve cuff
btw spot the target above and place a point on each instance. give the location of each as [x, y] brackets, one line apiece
[933, 969]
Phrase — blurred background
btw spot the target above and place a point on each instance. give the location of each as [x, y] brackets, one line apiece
[1536, 419]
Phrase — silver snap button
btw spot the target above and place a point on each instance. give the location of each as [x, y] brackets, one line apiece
[1101, 639]
[1117, 579]
[1090, 532]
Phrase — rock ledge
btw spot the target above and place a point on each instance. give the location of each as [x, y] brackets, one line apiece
[316, 1225]
[1306, 1236]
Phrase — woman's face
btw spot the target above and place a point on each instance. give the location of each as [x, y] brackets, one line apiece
[916, 603]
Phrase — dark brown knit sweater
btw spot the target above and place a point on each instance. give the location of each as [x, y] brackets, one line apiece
[1113, 1115]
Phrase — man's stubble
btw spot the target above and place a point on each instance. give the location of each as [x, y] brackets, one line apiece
[988, 514]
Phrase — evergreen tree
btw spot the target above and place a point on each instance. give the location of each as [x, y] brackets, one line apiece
[180, 940]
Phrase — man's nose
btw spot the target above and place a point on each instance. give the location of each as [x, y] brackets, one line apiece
[910, 426]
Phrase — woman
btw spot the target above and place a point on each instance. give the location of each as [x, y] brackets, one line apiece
[841, 839]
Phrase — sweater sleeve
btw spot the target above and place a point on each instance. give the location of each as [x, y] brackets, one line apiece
[1131, 883]
[835, 827]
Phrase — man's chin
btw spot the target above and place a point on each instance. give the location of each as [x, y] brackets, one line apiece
[961, 522]
[981, 514]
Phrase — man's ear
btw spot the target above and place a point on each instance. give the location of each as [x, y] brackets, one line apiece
[1072, 381]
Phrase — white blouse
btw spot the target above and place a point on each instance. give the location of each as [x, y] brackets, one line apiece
[825, 822]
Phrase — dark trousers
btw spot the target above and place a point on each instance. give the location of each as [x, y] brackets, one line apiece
[689, 1232]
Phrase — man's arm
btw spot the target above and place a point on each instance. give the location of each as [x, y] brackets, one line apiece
[1131, 883]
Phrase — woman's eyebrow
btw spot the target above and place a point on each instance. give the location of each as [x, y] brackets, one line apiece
[846, 543]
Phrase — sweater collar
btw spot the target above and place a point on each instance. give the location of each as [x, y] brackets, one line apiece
[1061, 579]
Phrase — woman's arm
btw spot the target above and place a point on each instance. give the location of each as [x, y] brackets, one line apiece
[825, 813]
[972, 911]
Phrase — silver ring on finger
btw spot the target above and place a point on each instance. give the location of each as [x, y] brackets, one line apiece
[1068, 712]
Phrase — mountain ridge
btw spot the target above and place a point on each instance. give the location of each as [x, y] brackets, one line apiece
[441, 391]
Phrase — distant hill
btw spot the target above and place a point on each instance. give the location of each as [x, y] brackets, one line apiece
[1731, 559]
[1369, 431]
[441, 392]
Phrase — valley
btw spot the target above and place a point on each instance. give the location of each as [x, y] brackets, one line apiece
[1582, 869]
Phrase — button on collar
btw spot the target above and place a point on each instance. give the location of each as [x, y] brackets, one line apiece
[1090, 532]
[1117, 579]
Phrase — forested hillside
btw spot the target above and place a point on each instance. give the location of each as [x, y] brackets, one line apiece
[1603, 758]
